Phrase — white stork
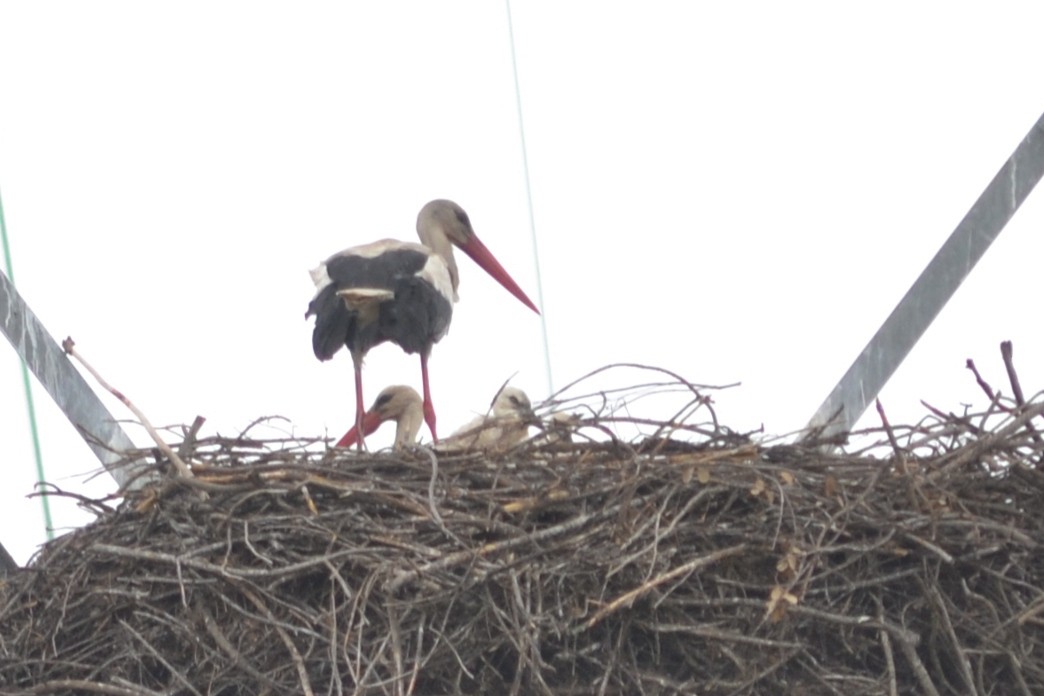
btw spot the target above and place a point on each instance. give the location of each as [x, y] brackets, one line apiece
[506, 425]
[400, 292]
[399, 403]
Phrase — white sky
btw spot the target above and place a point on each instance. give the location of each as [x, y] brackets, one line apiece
[738, 193]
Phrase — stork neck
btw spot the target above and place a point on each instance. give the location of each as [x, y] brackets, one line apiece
[435, 239]
[408, 425]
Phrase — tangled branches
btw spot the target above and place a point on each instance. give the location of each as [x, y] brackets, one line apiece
[709, 565]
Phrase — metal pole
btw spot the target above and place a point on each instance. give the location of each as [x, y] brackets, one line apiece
[931, 291]
[66, 386]
[7, 563]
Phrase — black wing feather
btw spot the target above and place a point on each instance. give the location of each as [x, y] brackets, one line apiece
[416, 315]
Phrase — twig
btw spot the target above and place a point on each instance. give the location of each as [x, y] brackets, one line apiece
[156, 556]
[452, 559]
[335, 674]
[943, 416]
[189, 440]
[959, 656]
[55, 685]
[946, 558]
[295, 654]
[967, 454]
[886, 647]
[1016, 669]
[662, 628]
[899, 455]
[1013, 378]
[970, 364]
[903, 634]
[1016, 389]
[923, 678]
[69, 346]
[214, 629]
[97, 506]
[159, 657]
[432, 506]
[628, 598]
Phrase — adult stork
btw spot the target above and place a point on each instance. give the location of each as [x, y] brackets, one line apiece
[397, 291]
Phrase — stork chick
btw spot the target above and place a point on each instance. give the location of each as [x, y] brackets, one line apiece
[397, 403]
[505, 426]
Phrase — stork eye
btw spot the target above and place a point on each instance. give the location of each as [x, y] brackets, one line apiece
[382, 400]
[514, 400]
[462, 218]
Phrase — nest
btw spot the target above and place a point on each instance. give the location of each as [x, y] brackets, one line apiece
[688, 560]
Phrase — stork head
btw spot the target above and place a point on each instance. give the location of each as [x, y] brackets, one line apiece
[441, 223]
[512, 402]
[399, 403]
[444, 217]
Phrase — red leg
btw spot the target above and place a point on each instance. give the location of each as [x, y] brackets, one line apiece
[360, 405]
[429, 408]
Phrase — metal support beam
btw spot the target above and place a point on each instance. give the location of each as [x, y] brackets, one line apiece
[64, 383]
[7, 563]
[933, 289]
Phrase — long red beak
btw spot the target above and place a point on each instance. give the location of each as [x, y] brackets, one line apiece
[371, 421]
[482, 256]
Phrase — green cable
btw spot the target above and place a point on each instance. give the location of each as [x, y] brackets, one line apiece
[529, 203]
[28, 390]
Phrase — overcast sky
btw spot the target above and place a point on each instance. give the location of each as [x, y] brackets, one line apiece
[738, 193]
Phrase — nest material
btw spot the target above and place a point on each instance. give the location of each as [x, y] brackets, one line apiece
[714, 566]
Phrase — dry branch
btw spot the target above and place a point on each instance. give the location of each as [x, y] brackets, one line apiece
[69, 346]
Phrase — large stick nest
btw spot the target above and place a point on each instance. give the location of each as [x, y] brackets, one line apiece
[689, 560]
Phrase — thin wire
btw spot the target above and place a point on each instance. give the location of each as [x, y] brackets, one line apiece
[529, 204]
[48, 526]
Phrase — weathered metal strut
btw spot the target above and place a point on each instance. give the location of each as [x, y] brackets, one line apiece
[63, 382]
[873, 367]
